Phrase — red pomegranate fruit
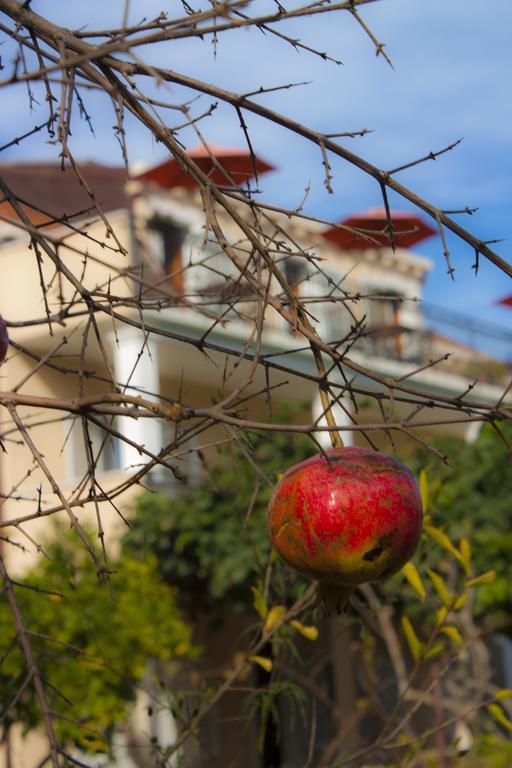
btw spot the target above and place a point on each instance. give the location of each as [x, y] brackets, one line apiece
[4, 339]
[346, 518]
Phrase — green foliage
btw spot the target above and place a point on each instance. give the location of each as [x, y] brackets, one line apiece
[91, 641]
[211, 542]
[472, 499]
[490, 752]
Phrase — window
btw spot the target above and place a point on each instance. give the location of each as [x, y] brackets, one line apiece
[386, 334]
[104, 447]
[294, 272]
[165, 240]
[185, 459]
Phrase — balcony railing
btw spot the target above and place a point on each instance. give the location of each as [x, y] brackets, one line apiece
[480, 351]
[489, 339]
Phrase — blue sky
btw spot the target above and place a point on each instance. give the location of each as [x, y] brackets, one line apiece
[453, 65]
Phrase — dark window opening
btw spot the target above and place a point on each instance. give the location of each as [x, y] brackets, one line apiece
[384, 324]
[169, 239]
[295, 272]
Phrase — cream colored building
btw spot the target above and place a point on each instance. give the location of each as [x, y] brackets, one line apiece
[184, 278]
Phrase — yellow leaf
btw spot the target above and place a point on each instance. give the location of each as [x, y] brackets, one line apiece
[181, 649]
[460, 602]
[500, 717]
[505, 693]
[434, 651]
[443, 541]
[311, 633]
[441, 615]
[423, 483]
[263, 662]
[440, 588]
[258, 600]
[413, 577]
[275, 614]
[454, 634]
[465, 553]
[362, 705]
[414, 644]
[484, 578]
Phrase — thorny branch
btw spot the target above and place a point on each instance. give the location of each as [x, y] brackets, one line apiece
[236, 294]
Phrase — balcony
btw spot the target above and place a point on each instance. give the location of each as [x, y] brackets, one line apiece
[480, 351]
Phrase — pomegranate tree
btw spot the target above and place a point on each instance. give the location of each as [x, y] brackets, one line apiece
[346, 518]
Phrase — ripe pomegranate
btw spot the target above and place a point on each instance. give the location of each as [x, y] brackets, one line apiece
[346, 518]
[4, 339]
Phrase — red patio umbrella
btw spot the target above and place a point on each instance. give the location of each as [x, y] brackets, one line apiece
[409, 229]
[237, 167]
[506, 301]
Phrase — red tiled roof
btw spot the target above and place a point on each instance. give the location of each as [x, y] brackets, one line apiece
[235, 166]
[408, 230]
[58, 193]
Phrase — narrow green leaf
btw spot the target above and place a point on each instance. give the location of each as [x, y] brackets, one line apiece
[414, 644]
[434, 651]
[258, 600]
[275, 614]
[443, 541]
[309, 632]
[500, 717]
[413, 577]
[465, 553]
[441, 615]
[505, 693]
[441, 588]
[460, 601]
[454, 634]
[262, 661]
[484, 578]
[423, 484]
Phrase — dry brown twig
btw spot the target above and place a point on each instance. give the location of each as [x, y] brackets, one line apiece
[254, 286]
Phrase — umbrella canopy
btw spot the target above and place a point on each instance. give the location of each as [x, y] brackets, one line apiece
[236, 168]
[409, 229]
[506, 301]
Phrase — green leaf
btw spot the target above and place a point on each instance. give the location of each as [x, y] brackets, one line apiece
[453, 633]
[259, 603]
[103, 635]
[413, 577]
[434, 651]
[505, 693]
[275, 615]
[262, 662]
[441, 615]
[423, 484]
[500, 717]
[465, 553]
[460, 601]
[441, 588]
[483, 579]
[415, 646]
[443, 541]
[309, 632]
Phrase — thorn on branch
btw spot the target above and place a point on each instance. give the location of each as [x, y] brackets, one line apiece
[327, 166]
[446, 252]
[430, 156]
